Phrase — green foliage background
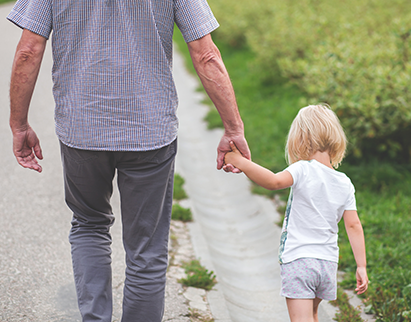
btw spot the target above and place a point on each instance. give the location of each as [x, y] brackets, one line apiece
[353, 54]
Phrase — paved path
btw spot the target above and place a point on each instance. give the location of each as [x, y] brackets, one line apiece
[234, 233]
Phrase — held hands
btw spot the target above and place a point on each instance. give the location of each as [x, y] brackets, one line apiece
[362, 280]
[239, 143]
[26, 148]
[232, 159]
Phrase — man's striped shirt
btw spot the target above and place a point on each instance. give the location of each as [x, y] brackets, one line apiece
[112, 72]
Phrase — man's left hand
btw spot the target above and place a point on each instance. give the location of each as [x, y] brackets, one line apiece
[224, 147]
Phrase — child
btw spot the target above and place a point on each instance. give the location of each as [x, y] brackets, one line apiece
[320, 196]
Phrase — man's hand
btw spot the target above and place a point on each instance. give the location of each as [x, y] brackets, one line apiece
[26, 148]
[224, 147]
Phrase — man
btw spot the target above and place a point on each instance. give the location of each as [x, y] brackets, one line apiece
[115, 112]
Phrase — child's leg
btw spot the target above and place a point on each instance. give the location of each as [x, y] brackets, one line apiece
[303, 310]
[317, 302]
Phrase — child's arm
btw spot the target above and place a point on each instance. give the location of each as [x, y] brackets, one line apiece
[356, 236]
[260, 175]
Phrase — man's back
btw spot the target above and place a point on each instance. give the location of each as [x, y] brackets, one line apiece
[112, 75]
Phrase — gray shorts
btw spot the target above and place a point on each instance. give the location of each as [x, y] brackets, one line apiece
[308, 278]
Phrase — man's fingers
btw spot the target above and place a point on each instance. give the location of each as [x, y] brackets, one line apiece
[38, 152]
[228, 168]
[231, 168]
[30, 164]
[29, 161]
[220, 160]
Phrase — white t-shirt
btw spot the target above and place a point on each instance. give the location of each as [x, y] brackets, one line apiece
[318, 198]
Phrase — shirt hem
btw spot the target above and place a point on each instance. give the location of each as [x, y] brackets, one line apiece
[291, 259]
[118, 148]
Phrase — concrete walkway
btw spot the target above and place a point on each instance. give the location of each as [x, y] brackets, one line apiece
[234, 232]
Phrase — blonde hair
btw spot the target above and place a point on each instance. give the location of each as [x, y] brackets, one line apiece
[316, 128]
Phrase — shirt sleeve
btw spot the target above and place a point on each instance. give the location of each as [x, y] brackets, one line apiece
[351, 203]
[34, 15]
[295, 169]
[194, 18]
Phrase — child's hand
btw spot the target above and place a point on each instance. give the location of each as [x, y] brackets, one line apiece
[362, 280]
[232, 158]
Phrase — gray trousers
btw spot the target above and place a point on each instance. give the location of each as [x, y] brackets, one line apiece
[145, 182]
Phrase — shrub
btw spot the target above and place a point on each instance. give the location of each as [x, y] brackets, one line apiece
[352, 54]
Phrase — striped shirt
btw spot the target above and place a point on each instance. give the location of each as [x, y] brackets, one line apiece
[112, 72]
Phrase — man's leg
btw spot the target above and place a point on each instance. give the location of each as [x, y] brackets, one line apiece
[88, 177]
[145, 182]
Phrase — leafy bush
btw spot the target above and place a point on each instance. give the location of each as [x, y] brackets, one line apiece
[198, 276]
[181, 213]
[354, 55]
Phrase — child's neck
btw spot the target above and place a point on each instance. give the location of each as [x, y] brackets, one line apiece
[322, 157]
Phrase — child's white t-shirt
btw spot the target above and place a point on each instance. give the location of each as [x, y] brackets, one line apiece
[318, 198]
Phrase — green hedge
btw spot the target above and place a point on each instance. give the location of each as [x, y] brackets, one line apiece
[352, 54]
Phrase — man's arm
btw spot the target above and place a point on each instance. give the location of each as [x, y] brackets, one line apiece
[214, 77]
[26, 66]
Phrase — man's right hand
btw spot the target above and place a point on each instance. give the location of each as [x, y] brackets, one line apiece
[26, 148]
[26, 66]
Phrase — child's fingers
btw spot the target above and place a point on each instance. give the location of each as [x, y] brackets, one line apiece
[233, 147]
[361, 289]
[362, 286]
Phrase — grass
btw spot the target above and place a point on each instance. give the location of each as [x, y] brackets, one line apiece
[198, 276]
[181, 213]
[179, 192]
[346, 312]
[196, 316]
[178, 212]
